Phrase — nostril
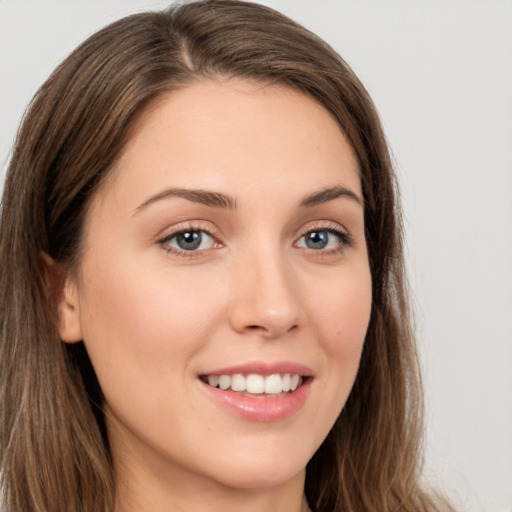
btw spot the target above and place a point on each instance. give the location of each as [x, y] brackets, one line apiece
[257, 329]
[269, 332]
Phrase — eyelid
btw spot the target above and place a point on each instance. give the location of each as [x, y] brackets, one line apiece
[193, 225]
[325, 225]
[346, 238]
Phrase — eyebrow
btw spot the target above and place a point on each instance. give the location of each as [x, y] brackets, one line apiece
[213, 199]
[219, 200]
[328, 194]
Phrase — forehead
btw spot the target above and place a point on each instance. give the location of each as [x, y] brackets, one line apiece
[234, 133]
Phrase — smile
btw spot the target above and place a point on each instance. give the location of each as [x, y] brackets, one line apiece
[259, 392]
[255, 384]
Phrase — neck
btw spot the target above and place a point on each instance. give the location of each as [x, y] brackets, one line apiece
[208, 500]
[176, 491]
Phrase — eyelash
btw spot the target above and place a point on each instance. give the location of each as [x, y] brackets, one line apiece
[345, 240]
[164, 242]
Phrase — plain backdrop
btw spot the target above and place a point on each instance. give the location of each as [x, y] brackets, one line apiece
[440, 73]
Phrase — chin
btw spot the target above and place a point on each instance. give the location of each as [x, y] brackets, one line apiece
[262, 477]
[261, 467]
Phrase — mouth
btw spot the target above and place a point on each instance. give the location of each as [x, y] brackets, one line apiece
[255, 385]
[259, 391]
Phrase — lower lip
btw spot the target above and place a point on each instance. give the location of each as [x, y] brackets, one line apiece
[263, 409]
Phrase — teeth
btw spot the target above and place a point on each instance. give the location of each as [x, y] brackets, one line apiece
[238, 382]
[225, 381]
[286, 382]
[256, 384]
[213, 380]
[273, 384]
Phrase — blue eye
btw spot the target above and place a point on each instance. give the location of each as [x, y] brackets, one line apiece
[321, 239]
[317, 239]
[190, 240]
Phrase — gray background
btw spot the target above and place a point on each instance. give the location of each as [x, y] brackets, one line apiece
[440, 72]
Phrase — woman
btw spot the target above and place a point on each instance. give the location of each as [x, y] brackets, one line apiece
[203, 303]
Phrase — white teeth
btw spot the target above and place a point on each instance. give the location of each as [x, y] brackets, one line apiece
[225, 382]
[273, 384]
[213, 380]
[256, 384]
[286, 382]
[238, 382]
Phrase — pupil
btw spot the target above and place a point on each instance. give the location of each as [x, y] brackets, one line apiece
[317, 239]
[189, 241]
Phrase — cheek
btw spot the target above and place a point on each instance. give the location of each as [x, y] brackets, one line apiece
[343, 310]
[140, 325]
[342, 316]
[339, 318]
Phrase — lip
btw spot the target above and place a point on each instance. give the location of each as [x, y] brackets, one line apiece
[261, 409]
[263, 368]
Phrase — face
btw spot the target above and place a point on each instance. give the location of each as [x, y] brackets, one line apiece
[224, 291]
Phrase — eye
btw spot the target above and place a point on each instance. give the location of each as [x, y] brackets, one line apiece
[324, 240]
[189, 241]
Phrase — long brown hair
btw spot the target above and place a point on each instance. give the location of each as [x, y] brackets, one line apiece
[54, 448]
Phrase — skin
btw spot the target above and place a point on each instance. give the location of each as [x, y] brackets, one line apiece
[154, 317]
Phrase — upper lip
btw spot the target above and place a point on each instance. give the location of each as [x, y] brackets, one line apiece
[264, 368]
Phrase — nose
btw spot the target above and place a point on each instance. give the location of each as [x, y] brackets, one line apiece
[265, 297]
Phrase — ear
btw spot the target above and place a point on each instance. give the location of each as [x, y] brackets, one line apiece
[62, 286]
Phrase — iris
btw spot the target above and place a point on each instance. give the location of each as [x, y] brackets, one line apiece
[189, 241]
[317, 239]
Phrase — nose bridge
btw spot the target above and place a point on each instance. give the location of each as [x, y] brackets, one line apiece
[265, 297]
